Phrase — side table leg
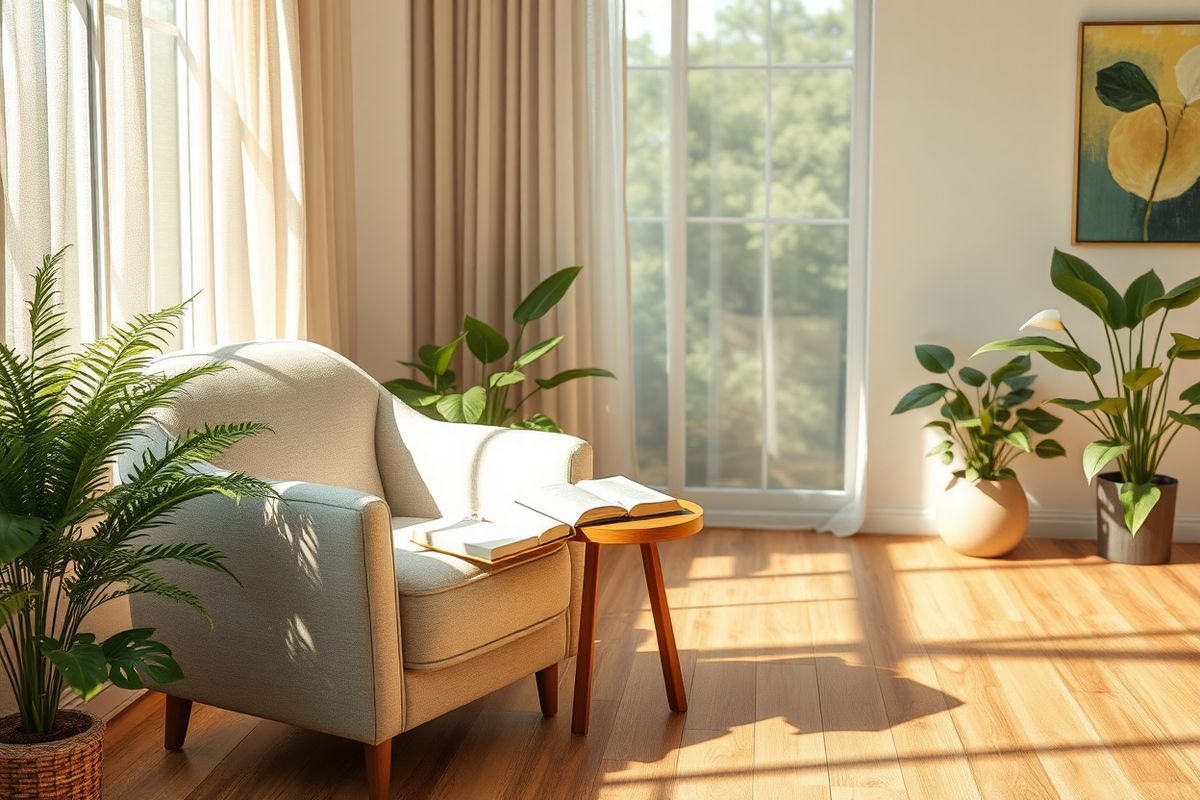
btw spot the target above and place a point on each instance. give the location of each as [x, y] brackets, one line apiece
[667, 652]
[587, 634]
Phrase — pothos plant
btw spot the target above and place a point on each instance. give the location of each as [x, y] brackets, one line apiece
[504, 367]
[70, 539]
[1133, 415]
[985, 423]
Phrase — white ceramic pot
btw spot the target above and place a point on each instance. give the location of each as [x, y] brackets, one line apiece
[983, 519]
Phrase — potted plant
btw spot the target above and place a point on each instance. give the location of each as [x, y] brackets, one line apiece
[1133, 417]
[983, 511]
[491, 402]
[69, 537]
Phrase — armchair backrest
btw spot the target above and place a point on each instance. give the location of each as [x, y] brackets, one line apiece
[321, 407]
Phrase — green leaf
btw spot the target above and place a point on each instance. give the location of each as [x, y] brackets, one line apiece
[506, 378]
[924, 395]
[1038, 420]
[1113, 406]
[1097, 455]
[1074, 361]
[427, 371]
[17, 534]
[1181, 296]
[935, 358]
[1012, 369]
[1019, 382]
[1191, 420]
[1019, 439]
[972, 376]
[968, 422]
[1035, 344]
[1137, 500]
[130, 652]
[1137, 379]
[958, 408]
[487, 343]
[428, 354]
[940, 424]
[1191, 395]
[971, 474]
[1186, 347]
[82, 665]
[418, 398]
[1016, 398]
[537, 351]
[538, 422]
[409, 383]
[1125, 87]
[573, 374]
[940, 448]
[1048, 448]
[1144, 290]
[13, 602]
[1075, 278]
[947, 458]
[545, 295]
[444, 355]
[465, 407]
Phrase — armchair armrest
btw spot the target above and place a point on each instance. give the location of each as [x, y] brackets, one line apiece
[312, 635]
[433, 468]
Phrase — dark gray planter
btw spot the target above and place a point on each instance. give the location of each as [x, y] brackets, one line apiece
[1152, 544]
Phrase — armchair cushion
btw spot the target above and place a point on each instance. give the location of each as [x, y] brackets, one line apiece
[452, 609]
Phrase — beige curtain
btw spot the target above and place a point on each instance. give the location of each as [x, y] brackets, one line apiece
[516, 173]
[203, 152]
[331, 253]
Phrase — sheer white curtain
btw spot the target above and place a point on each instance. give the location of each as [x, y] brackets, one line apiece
[186, 154]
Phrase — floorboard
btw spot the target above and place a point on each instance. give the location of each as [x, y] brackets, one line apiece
[817, 668]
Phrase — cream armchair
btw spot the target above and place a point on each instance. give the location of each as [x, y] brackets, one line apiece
[340, 624]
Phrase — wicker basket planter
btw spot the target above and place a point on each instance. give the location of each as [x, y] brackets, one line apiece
[66, 769]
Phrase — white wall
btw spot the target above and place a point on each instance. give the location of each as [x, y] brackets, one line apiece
[972, 188]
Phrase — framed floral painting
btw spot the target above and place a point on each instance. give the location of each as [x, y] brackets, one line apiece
[1137, 165]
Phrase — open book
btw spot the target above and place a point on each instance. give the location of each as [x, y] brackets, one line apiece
[512, 531]
[600, 500]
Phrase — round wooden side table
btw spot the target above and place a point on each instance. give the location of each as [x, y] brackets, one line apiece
[647, 533]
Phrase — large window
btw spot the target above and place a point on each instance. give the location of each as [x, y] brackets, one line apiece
[747, 153]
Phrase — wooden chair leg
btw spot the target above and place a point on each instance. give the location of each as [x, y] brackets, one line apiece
[547, 683]
[178, 712]
[379, 769]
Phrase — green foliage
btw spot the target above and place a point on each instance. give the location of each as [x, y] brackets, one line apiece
[65, 416]
[1125, 87]
[489, 403]
[1132, 416]
[987, 434]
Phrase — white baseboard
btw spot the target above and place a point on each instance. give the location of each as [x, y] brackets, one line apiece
[1042, 524]
[110, 701]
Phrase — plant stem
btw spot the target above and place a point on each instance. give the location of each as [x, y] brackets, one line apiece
[1162, 162]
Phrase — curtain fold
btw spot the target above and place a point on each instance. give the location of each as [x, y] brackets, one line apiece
[517, 170]
[331, 255]
[195, 180]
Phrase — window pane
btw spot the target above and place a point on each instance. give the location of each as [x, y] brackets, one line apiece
[806, 373]
[648, 250]
[726, 128]
[812, 31]
[648, 127]
[647, 32]
[810, 143]
[727, 31]
[724, 355]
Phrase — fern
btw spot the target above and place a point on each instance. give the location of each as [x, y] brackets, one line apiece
[66, 415]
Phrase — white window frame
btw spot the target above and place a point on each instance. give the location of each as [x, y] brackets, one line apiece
[765, 507]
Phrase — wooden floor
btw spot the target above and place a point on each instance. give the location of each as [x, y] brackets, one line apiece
[872, 667]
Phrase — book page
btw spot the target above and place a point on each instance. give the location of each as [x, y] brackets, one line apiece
[475, 538]
[523, 520]
[570, 504]
[638, 500]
